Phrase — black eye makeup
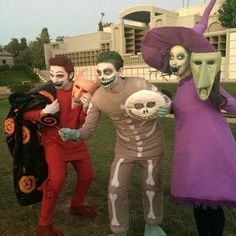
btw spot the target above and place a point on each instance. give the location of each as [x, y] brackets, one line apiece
[211, 62]
[180, 56]
[108, 71]
[59, 76]
[99, 72]
[198, 63]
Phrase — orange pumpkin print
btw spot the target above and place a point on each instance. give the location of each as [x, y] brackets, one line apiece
[47, 94]
[27, 183]
[9, 126]
[25, 135]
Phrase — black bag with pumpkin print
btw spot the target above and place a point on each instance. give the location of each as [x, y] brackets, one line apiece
[23, 140]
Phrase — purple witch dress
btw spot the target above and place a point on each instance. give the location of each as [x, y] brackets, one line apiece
[204, 163]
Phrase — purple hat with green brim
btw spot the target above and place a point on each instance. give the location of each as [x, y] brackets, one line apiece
[157, 43]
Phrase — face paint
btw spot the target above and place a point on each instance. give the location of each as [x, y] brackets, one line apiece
[204, 68]
[81, 86]
[107, 74]
[59, 77]
[179, 61]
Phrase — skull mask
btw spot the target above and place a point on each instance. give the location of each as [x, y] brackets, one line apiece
[81, 86]
[144, 104]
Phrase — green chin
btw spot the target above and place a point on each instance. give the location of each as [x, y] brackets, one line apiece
[203, 93]
[107, 84]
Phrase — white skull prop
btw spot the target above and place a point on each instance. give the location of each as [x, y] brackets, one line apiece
[143, 105]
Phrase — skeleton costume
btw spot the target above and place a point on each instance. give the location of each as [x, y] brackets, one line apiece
[137, 142]
[204, 163]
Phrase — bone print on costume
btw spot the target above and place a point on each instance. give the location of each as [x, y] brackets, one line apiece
[113, 198]
[137, 142]
[115, 180]
[150, 179]
[150, 195]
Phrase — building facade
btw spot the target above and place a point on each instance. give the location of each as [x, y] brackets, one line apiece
[126, 36]
[6, 58]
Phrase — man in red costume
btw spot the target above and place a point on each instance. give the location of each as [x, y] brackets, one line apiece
[58, 153]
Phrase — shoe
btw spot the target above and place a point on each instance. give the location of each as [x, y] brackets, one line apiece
[47, 230]
[153, 230]
[85, 211]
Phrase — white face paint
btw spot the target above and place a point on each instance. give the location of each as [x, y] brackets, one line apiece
[107, 74]
[59, 77]
[179, 61]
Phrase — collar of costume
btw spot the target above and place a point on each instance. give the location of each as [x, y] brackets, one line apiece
[182, 81]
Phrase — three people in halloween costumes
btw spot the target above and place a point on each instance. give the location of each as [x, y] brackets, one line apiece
[204, 166]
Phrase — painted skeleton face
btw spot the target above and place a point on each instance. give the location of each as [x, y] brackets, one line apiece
[144, 104]
[59, 77]
[80, 87]
[204, 68]
[107, 74]
[179, 61]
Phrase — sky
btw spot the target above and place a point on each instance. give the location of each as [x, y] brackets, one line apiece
[27, 18]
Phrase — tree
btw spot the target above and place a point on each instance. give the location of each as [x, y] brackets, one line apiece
[100, 24]
[227, 14]
[106, 24]
[13, 47]
[44, 36]
[25, 57]
[37, 49]
[59, 38]
[23, 44]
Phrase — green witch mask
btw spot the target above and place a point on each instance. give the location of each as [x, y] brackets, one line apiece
[204, 68]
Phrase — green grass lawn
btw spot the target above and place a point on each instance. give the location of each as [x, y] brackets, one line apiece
[14, 79]
[17, 220]
[21, 221]
[9, 78]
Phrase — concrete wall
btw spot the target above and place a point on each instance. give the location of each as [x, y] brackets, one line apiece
[6, 59]
[232, 55]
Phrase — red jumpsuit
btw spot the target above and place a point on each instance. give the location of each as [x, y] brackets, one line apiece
[58, 153]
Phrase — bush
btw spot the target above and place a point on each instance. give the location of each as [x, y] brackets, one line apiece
[21, 88]
[4, 67]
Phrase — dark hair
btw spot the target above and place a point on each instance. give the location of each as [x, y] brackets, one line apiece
[63, 61]
[112, 57]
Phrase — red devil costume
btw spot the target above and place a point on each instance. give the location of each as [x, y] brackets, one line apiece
[58, 153]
